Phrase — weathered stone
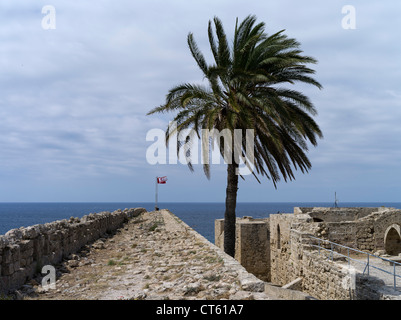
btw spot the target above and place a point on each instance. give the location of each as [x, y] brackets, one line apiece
[14, 234]
[293, 254]
[30, 232]
[7, 269]
[3, 242]
[98, 245]
[73, 263]
[25, 249]
[172, 263]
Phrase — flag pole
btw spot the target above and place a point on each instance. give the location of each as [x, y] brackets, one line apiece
[156, 208]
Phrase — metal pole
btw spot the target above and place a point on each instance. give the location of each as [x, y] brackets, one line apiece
[368, 264]
[395, 281]
[156, 208]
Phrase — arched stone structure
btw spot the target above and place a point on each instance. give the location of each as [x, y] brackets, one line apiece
[392, 240]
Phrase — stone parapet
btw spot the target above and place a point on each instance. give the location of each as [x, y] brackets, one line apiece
[24, 251]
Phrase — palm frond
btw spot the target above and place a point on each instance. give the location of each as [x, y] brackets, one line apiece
[251, 86]
[197, 54]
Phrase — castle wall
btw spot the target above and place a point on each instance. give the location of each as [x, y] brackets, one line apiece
[381, 225]
[254, 235]
[282, 268]
[24, 251]
[324, 279]
[252, 246]
[336, 214]
[292, 257]
[366, 233]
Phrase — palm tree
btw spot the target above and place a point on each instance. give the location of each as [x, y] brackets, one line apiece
[247, 90]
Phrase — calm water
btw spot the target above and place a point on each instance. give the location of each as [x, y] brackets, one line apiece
[200, 216]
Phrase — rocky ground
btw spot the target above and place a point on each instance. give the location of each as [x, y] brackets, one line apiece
[154, 256]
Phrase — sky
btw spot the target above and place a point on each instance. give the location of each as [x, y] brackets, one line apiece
[78, 77]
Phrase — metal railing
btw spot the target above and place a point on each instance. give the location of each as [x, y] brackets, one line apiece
[368, 264]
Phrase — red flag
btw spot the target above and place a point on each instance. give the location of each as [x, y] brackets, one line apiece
[161, 180]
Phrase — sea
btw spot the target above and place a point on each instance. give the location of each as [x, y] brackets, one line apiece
[198, 215]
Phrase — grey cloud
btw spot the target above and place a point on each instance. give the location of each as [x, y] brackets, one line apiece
[74, 99]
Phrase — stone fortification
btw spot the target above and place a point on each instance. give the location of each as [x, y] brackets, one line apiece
[366, 229]
[279, 249]
[252, 247]
[139, 255]
[24, 251]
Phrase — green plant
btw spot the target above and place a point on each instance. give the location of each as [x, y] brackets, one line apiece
[111, 262]
[190, 291]
[4, 297]
[154, 225]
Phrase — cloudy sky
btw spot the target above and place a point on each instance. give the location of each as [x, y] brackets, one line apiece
[76, 84]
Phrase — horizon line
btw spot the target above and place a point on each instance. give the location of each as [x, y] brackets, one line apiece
[222, 202]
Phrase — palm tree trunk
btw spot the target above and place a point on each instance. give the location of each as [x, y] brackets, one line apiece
[231, 202]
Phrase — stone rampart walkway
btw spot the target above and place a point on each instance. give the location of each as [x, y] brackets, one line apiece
[154, 256]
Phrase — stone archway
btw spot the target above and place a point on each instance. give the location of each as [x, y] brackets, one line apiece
[392, 240]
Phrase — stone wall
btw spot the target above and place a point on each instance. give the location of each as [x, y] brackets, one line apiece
[366, 231]
[252, 246]
[336, 214]
[24, 251]
[280, 263]
[291, 256]
[381, 223]
[325, 279]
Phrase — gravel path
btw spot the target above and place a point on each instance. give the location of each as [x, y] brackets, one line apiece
[379, 268]
[154, 256]
[374, 263]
